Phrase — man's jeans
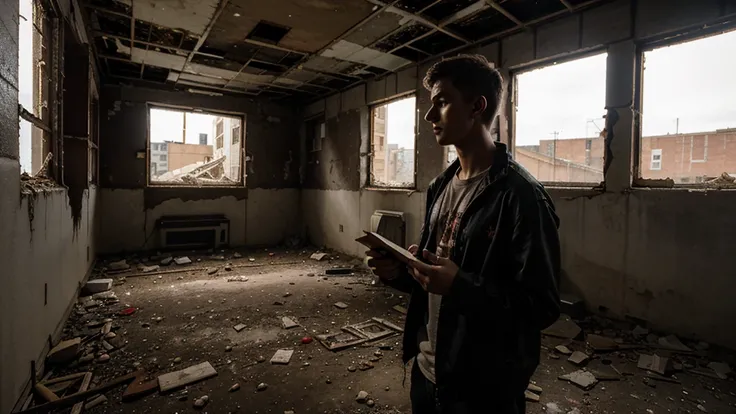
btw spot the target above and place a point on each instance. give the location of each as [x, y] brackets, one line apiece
[424, 400]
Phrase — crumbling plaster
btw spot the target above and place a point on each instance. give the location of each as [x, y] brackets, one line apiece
[260, 213]
[43, 260]
[659, 255]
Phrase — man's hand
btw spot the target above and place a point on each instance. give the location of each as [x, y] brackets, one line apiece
[385, 265]
[437, 277]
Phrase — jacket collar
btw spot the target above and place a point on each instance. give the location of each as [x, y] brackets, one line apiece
[498, 168]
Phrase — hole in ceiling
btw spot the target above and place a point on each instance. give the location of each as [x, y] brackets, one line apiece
[411, 54]
[113, 5]
[155, 74]
[401, 37]
[444, 9]
[414, 5]
[146, 32]
[114, 25]
[268, 67]
[189, 43]
[107, 47]
[483, 24]
[211, 51]
[527, 10]
[291, 59]
[437, 43]
[268, 32]
[217, 63]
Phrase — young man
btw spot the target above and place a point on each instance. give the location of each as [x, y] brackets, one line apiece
[486, 283]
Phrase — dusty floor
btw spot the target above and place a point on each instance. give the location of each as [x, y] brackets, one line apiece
[198, 310]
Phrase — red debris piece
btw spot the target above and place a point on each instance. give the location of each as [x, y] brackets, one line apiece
[272, 254]
[127, 311]
[306, 340]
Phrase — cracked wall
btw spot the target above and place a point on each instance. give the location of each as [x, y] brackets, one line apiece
[655, 254]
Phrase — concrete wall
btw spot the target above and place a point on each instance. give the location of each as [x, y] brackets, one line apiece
[44, 255]
[181, 155]
[264, 212]
[659, 255]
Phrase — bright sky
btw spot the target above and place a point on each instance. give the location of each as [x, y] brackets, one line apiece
[166, 125]
[401, 122]
[25, 80]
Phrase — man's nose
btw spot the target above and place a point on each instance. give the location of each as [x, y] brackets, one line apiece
[431, 115]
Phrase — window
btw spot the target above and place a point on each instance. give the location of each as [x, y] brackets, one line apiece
[559, 121]
[236, 134]
[34, 86]
[393, 137]
[656, 163]
[316, 132]
[180, 154]
[688, 109]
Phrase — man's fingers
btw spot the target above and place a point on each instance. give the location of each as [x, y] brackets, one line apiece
[422, 267]
[413, 249]
[431, 257]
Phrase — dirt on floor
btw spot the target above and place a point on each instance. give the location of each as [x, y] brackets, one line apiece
[185, 315]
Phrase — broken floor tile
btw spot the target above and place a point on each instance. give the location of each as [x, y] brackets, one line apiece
[166, 261]
[341, 305]
[149, 269]
[288, 322]
[530, 396]
[722, 369]
[119, 265]
[318, 256]
[582, 379]
[578, 358]
[601, 343]
[98, 285]
[563, 350]
[282, 356]
[239, 327]
[65, 351]
[182, 260]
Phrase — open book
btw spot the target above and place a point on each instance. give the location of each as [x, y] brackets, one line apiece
[378, 242]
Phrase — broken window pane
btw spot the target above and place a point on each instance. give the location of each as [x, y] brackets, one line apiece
[689, 112]
[559, 125]
[194, 148]
[392, 144]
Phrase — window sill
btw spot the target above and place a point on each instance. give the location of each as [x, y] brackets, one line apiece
[390, 189]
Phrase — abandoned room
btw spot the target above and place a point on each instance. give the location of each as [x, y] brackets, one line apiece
[183, 183]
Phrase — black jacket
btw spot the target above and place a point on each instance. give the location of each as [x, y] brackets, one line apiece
[508, 251]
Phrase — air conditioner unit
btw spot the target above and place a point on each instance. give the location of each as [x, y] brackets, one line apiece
[212, 230]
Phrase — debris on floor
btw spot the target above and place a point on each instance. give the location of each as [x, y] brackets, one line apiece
[190, 375]
[282, 356]
[288, 322]
[318, 256]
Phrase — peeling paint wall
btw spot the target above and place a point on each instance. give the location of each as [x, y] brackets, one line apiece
[260, 213]
[659, 255]
[44, 258]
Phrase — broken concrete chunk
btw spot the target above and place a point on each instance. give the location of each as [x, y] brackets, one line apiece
[107, 345]
[237, 255]
[148, 269]
[212, 271]
[318, 256]
[237, 279]
[640, 331]
[534, 388]
[98, 285]
[720, 368]
[362, 397]
[119, 265]
[182, 260]
[103, 358]
[166, 261]
[288, 322]
[235, 387]
[65, 351]
[262, 386]
[601, 343]
[282, 356]
[177, 379]
[564, 327]
[672, 342]
[578, 358]
[563, 350]
[530, 396]
[341, 305]
[582, 379]
[239, 327]
[201, 401]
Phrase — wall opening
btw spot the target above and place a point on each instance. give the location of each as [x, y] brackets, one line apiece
[393, 143]
[559, 122]
[194, 148]
[689, 112]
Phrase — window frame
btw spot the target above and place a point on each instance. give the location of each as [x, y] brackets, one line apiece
[694, 34]
[513, 100]
[206, 111]
[369, 184]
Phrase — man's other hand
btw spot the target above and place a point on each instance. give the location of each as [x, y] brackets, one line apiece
[386, 266]
[436, 277]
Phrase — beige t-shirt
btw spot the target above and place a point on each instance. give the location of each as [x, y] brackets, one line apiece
[453, 203]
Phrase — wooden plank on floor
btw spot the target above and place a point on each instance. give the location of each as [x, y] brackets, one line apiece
[173, 380]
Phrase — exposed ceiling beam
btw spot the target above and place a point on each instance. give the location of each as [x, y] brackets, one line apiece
[108, 11]
[503, 11]
[203, 38]
[272, 46]
[420, 19]
[567, 4]
[156, 45]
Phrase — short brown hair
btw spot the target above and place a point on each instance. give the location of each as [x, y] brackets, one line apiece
[473, 76]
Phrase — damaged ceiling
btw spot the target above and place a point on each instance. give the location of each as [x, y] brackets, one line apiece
[292, 48]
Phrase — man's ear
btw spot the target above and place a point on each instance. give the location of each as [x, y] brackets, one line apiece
[480, 105]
